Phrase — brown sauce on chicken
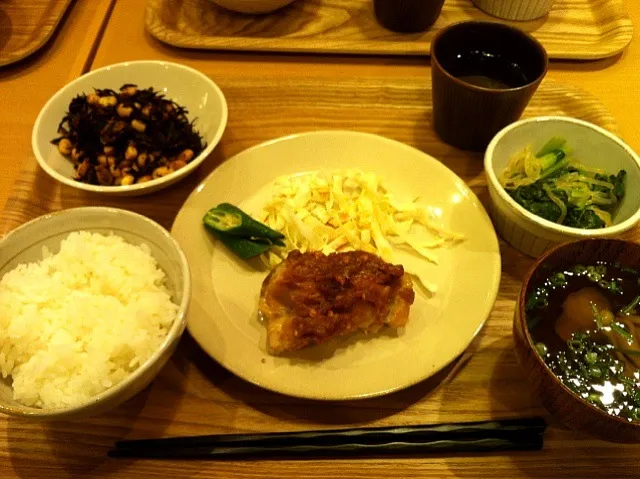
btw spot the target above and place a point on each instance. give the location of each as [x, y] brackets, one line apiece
[311, 297]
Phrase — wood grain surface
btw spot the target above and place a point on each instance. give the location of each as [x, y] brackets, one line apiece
[26, 26]
[575, 29]
[193, 395]
[26, 86]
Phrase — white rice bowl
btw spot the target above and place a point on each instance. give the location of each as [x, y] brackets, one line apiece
[79, 322]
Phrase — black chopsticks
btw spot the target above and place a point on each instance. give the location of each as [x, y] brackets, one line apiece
[475, 437]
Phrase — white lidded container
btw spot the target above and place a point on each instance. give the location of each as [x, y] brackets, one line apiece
[25, 245]
[515, 9]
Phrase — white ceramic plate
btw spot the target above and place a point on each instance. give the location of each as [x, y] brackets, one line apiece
[184, 85]
[224, 310]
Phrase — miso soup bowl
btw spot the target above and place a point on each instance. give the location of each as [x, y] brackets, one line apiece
[564, 405]
[592, 146]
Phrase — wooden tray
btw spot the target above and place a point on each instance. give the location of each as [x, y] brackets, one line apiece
[261, 109]
[26, 26]
[575, 29]
[193, 395]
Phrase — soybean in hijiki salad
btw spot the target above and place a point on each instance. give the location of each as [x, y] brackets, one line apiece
[554, 185]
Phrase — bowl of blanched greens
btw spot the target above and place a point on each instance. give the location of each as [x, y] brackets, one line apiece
[558, 179]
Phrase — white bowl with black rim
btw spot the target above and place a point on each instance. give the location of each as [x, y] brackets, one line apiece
[593, 146]
[186, 86]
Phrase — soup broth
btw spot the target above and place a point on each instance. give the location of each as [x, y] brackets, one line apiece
[583, 321]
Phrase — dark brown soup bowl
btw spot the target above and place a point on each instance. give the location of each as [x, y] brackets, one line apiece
[559, 400]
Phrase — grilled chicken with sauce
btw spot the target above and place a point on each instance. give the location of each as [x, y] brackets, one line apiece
[310, 298]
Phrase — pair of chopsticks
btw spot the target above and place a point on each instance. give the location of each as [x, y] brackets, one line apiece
[475, 437]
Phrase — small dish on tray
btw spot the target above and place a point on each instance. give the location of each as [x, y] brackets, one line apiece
[205, 102]
[592, 146]
[224, 313]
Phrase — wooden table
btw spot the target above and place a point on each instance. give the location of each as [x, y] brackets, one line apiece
[27, 85]
[193, 395]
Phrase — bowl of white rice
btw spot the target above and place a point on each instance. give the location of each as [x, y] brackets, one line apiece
[93, 302]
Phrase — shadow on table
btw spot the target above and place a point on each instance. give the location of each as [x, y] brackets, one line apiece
[334, 413]
[587, 66]
[508, 388]
[77, 449]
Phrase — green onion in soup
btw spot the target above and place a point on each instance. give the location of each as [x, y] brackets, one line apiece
[585, 322]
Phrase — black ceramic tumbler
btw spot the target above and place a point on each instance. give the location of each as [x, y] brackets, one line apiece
[407, 16]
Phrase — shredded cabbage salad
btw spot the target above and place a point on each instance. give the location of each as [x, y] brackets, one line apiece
[349, 210]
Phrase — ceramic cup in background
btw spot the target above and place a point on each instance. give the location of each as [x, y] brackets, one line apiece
[483, 76]
[515, 9]
[407, 16]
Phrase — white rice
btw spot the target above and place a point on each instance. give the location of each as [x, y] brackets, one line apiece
[78, 322]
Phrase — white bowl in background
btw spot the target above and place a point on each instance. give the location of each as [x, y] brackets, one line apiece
[519, 10]
[253, 6]
[592, 146]
[188, 87]
[25, 243]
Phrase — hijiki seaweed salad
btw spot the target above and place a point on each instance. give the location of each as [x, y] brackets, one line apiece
[585, 323]
[119, 138]
[555, 186]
